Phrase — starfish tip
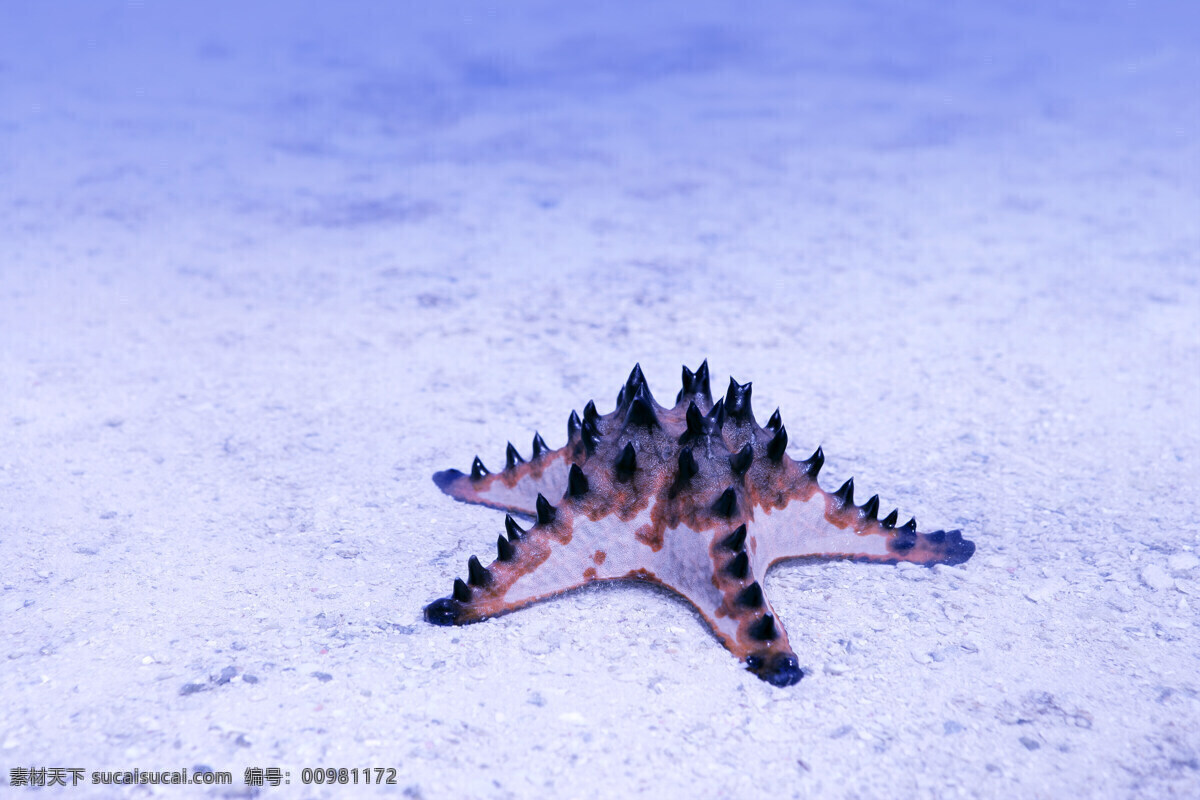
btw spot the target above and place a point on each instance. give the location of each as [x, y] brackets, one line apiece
[443, 611]
[958, 549]
[780, 669]
[446, 478]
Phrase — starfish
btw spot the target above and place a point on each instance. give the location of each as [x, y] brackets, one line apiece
[697, 498]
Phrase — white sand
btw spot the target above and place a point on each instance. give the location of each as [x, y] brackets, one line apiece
[262, 272]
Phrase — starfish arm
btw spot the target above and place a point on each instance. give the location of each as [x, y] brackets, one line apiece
[744, 619]
[515, 488]
[562, 551]
[572, 550]
[823, 527]
[568, 548]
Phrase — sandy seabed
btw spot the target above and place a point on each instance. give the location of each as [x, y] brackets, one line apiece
[265, 268]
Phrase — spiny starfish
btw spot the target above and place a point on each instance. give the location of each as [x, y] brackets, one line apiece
[697, 498]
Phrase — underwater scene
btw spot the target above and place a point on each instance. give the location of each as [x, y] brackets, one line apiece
[533, 399]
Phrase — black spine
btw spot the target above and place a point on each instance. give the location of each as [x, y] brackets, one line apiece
[515, 531]
[751, 596]
[591, 434]
[700, 381]
[736, 540]
[814, 463]
[716, 416]
[635, 382]
[545, 512]
[477, 574]
[778, 444]
[695, 383]
[739, 567]
[478, 470]
[462, 592]
[870, 508]
[740, 461]
[626, 463]
[641, 410]
[504, 550]
[737, 402]
[845, 495]
[512, 457]
[726, 505]
[775, 421]
[539, 445]
[577, 482]
[764, 629]
[700, 425]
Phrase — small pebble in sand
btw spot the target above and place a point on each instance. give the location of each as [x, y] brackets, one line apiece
[1183, 562]
[1156, 577]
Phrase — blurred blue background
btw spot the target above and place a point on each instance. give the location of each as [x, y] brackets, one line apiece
[173, 115]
